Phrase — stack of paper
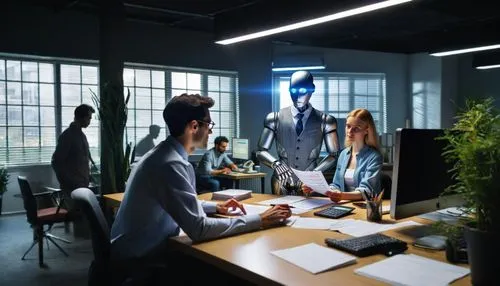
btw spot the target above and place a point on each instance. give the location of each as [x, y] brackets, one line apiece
[314, 257]
[236, 194]
[411, 269]
[299, 204]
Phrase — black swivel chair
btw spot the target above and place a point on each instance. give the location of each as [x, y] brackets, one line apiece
[102, 270]
[38, 218]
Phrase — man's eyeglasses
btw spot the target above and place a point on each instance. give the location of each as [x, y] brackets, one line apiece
[210, 124]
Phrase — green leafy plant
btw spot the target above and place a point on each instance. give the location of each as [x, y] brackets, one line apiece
[113, 112]
[474, 149]
[4, 180]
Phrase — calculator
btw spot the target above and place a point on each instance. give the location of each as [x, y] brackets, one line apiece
[334, 211]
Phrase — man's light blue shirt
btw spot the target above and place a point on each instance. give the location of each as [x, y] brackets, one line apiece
[367, 172]
[160, 198]
[212, 160]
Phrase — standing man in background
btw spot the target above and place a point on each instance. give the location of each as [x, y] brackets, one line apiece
[299, 131]
[214, 162]
[71, 159]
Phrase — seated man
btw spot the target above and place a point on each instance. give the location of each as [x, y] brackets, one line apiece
[160, 197]
[147, 142]
[215, 162]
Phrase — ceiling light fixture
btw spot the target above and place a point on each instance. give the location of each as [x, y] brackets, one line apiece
[315, 21]
[488, 67]
[299, 68]
[463, 51]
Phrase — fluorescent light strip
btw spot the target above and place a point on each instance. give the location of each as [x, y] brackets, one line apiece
[488, 67]
[463, 51]
[300, 68]
[316, 21]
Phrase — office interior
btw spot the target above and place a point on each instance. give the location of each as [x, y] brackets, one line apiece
[445, 81]
[41, 32]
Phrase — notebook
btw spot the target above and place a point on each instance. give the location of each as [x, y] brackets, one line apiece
[236, 194]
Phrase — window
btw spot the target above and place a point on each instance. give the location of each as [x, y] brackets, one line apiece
[27, 111]
[151, 88]
[78, 84]
[339, 93]
[146, 103]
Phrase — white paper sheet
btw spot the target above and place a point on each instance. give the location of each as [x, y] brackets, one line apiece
[315, 258]
[359, 228]
[250, 209]
[411, 269]
[282, 200]
[312, 223]
[310, 203]
[314, 180]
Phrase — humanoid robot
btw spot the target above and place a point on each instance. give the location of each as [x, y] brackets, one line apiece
[299, 132]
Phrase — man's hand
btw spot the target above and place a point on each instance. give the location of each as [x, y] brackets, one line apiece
[275, 215]
[335, 195]
[306, 190]
[231, 204]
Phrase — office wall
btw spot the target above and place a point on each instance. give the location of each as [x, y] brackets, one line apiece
[474, 83]
[69, 34]
[395, 67]
[425, 91]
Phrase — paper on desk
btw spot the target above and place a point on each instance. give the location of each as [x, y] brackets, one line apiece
[315, 258]
[250, 209]
[310, 203]
[313, 179]
[312, 223]
[411, 269]
[282, 200]
[359, 228]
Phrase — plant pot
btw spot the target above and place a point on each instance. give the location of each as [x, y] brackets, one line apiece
[483, 250]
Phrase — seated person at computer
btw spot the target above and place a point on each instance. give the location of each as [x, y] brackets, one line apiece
[215, 162]
[147, 143]
[160, 197]
[360, 163]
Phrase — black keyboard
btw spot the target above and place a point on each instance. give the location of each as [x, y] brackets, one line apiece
[334, 211]
[369, 245]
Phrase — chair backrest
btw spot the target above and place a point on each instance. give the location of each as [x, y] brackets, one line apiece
[86, 200]
[29, 200]
[386, 183]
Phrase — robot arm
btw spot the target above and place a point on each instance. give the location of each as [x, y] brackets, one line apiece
[332, 145]
[266, 140]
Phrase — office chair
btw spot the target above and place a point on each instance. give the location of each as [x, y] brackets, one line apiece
[102, 270]
[39, 218]
[386, 184]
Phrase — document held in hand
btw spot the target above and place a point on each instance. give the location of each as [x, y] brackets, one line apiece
[314, 180]
[236, 194]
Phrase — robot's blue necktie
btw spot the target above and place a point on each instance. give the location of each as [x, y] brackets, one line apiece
[299, 127]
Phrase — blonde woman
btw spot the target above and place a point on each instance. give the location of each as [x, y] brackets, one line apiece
[360, 163]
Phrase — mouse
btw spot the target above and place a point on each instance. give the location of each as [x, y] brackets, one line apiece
[436, 242]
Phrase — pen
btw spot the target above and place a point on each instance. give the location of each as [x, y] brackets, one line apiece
[283, 205]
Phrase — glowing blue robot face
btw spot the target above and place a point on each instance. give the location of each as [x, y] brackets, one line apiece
[301, 88]
[298, 91]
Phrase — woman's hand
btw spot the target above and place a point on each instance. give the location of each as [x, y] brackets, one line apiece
[335, 195]
[306, 190]
[230, 205]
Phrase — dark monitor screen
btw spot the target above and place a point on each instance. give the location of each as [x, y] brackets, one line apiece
[420, 173]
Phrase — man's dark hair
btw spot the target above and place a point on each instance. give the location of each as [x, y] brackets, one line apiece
[83, 111]
[184, 108]
[220, 139]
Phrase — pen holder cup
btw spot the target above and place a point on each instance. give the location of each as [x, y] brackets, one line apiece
[374, 211]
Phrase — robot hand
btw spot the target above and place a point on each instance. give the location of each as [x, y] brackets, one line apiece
[289, 183]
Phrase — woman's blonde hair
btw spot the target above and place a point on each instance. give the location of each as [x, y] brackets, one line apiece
[371, 139]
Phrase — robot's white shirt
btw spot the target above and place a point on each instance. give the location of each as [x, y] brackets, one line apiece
[295, 111]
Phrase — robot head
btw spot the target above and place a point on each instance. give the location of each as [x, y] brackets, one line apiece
[301, 88]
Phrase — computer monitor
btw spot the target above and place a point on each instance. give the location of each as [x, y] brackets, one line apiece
[420, 174]
[240, 148]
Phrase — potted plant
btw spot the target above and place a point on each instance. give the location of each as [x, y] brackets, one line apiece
[474, 150]
[4, 179]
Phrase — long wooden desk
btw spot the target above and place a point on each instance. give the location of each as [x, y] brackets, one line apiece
[248, 255]
[237, 177]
